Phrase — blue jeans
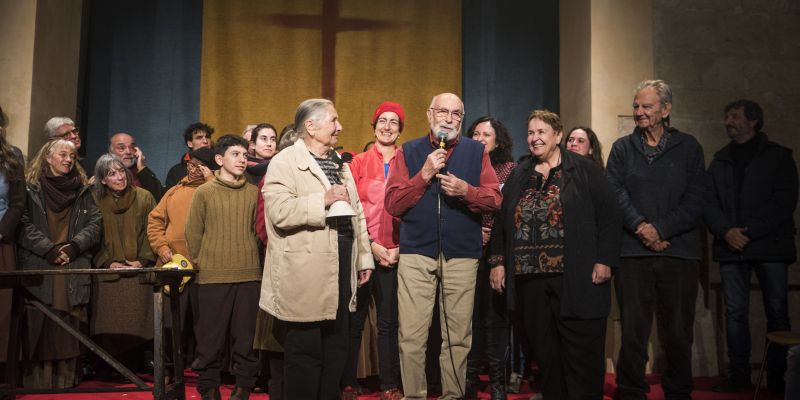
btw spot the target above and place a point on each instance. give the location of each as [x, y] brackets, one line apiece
[773, 279]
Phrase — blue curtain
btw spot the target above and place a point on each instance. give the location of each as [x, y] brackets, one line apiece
[510, 62]
[143, 76]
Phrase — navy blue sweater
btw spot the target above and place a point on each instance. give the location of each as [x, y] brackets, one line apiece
[669, 193]
[461, 228]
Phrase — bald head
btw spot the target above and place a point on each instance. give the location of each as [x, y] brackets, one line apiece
[124, 146]
[445, 114]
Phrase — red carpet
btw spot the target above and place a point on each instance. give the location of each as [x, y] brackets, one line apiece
[702, 391]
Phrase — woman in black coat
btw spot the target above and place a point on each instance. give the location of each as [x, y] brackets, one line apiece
[555, 239]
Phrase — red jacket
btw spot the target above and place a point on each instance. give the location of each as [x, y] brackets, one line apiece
[367, 169]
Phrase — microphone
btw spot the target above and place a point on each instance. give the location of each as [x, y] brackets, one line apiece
[442, 136]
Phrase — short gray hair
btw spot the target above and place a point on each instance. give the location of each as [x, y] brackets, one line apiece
[104, 165]
[311, 109]
[663, 90]
[52, 125]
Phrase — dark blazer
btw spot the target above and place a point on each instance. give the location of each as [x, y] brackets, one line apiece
[85, 228]
[669, 193]
[764, 204]
[592, 232]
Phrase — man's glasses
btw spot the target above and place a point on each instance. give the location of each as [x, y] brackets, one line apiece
[72, 132]
[457, 115]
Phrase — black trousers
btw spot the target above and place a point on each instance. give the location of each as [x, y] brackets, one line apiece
[315, 352]
[355, 333]
[226, 311]
[668, 287]
[490, 325]
[570, 352]
[385, 290]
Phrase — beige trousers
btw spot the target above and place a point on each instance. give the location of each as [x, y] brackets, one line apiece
[417, 277]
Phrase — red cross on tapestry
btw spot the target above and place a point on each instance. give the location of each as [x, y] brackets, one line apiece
[260, 59]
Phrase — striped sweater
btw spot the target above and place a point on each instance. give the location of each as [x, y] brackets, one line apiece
[220, 233]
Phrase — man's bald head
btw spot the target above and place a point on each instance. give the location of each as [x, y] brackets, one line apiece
[446, 114]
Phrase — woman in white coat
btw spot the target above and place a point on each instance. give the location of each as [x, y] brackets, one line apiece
[314, 261]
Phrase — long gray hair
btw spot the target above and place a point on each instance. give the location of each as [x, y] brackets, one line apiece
[104, 165]
[311, 109]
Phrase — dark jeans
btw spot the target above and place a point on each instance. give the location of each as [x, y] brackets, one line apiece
[489, 330]
[793, 374]
[570, 351]
[315, 353]
[227, 314]
[385, 289]
[773, 278]
[355, 332]
[668, 287]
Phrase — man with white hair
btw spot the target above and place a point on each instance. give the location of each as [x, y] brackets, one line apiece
[439, 177]
[124, 146]
[63, 128]
[658, 174]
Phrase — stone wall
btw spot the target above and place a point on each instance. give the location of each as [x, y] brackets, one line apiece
[716, 51]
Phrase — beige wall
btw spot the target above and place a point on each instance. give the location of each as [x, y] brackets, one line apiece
[17, 28]
[606, 49]
[575, 38]
[56, 59]
[622, 56]
[38, 65]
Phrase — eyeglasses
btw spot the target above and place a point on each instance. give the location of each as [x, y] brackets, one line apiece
[74, 131]
[443, 113]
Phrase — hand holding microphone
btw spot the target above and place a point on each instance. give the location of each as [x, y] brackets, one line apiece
[437, 160]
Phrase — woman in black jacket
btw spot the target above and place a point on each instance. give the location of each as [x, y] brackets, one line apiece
[555, 239]
[60, 225]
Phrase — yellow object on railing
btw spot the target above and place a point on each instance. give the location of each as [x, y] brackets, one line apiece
[178, 262]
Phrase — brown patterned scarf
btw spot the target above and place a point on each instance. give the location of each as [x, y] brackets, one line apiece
[60, 191]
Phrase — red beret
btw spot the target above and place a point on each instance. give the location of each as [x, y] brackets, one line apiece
[389, 106]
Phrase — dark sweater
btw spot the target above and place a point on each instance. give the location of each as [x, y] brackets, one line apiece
[763, 201]
[667, 193]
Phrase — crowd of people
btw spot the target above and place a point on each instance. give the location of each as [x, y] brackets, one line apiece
[293, 241]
